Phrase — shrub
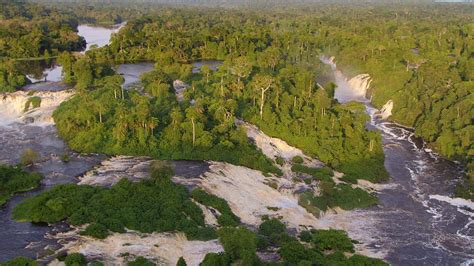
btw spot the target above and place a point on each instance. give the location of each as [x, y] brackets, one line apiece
[141, 261]
[153, 205]
[75, 259]
[181, 262]
[293, 252]
[335, 240]
[29, 157]
[161, 169]
[306, 236]
[279, 160]
[65, 158]
[20, 261]
[14, 180]
[332, 195]
[240, 244]
[33, 102]
[363, 260]
[216, 259]
[96, 230]
[270, 227]
[227, 217]
[297, 160]
[321, 174]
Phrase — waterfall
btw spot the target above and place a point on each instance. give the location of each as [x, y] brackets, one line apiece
[359, 85]
[386, 110]
[14, 110]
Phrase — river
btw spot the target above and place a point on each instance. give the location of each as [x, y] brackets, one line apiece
[417, 221]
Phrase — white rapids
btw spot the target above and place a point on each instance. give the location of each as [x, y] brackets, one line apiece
[12, 107]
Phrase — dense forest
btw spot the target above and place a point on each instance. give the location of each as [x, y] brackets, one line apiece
[265, 78]
[425, 68]
[34, 31]
[30, 31]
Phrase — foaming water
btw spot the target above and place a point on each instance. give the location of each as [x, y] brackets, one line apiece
[417, 222]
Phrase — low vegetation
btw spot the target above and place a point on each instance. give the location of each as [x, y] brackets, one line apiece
[32, 103]
[20, 261]
[135, 206]
[14, 179]
[324, 247]
[319, 174]
[226, 217]
[332, 195]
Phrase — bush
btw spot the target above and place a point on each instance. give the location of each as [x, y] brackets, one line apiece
[341, 195]
[279, 160]
[181, 262]
[96, 230]
[363, 260]
[161, 169]
[153, 205]
[14, 180]
[141, 261]
[29, 157]
[321, 174]
[306, 236]
[20, 261]
[227, 217]
[214, 259]
[297, 160]
[65, 158]
[75, 259]
[33, 102]
[270, 227]
[335, 240]
[294, 252]
[240, 244]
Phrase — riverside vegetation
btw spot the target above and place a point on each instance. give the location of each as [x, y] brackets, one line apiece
[13, 179]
